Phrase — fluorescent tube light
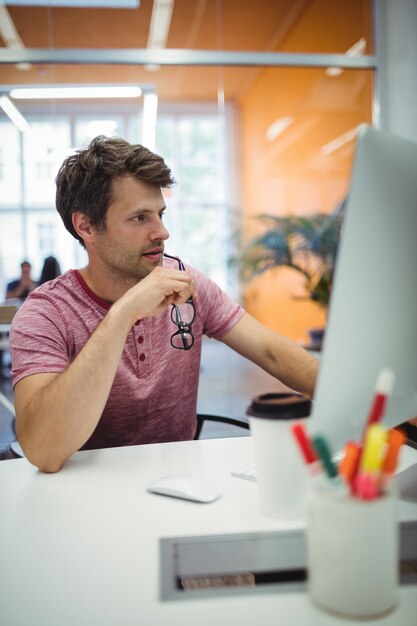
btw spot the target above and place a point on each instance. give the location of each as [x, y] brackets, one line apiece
[278, 127]
[91, 92]
[81, 4]
[8, 30]
[160, 23]
[159, 27]
[10, 35]
[14, 114]
[340, 141]
[358, 49]
[150, 108]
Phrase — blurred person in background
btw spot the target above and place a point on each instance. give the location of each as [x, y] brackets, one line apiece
[50, 270]
[21, 287]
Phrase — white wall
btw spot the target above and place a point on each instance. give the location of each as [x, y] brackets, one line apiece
[397, 80]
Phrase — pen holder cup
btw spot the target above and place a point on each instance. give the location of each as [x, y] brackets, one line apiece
[353, 552]
[281, 472]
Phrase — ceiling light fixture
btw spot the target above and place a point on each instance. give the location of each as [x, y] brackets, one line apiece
[278, 127]
[90, 92]
[357, 50]
[159, 27]
[14, 114]
[10, 35]
[160, 23]
[340, 141]
[80, 4]
[8, 30]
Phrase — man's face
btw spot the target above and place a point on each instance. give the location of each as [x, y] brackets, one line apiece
[132, 243]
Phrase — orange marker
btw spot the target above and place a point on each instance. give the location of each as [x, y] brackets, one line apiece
[348, 466]
[396, 438]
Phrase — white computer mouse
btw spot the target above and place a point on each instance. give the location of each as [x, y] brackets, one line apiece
[187, 487]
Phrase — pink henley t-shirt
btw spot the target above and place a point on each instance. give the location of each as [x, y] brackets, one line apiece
[154, 394]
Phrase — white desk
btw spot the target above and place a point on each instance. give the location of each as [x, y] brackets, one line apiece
[80, 547]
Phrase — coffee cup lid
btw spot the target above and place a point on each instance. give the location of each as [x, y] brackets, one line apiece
[280, 406]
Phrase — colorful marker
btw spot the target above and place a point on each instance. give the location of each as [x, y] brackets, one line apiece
[323, 452]
[304, 443]
[349, 465]
[372, 455]
[396, 438]
[365, 486]
[383, 388]
[366, 481]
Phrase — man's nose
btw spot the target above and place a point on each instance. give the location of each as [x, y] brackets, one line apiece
[159, 232]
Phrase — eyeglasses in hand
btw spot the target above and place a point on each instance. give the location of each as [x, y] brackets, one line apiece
[183, 316]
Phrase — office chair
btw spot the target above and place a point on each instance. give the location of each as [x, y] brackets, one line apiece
[272, 404]
[202, 417]
[15, 449]
[7, 312]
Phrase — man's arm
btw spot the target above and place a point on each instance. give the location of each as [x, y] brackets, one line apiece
[57, 413]
[277, 355]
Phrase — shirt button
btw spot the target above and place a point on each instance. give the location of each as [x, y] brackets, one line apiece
[142, 357]
[137, 322]
[140, 339]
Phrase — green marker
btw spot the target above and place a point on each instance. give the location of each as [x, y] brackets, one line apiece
[323, 452]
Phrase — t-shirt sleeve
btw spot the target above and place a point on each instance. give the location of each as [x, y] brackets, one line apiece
[219, 311]
[38, 339]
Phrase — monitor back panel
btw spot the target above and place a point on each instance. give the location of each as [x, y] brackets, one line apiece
[372, 320]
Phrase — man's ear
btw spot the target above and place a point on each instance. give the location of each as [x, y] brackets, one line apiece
[83, 227]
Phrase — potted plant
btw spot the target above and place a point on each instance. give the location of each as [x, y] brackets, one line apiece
[306, 244]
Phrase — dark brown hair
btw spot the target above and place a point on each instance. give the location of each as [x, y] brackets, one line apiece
[50, 270]
[84, 181]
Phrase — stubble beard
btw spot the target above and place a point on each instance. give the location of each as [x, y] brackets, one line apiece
[126, 268]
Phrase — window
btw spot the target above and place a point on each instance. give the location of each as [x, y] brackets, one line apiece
[46, 238]
[89, 126]
[10, 170]
[45, 146]
[199, 218]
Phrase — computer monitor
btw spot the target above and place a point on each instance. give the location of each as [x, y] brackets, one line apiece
[372, 321]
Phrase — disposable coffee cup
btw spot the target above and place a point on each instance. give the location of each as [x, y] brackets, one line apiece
[352, 552]
[281, 472]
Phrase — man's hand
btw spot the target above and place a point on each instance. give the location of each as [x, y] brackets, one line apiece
[26, 283]
[155, 293]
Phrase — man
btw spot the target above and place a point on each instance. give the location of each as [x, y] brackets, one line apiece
[94, 362]
[23, 286]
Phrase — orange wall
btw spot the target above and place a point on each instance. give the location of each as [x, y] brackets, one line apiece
[290, 174]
